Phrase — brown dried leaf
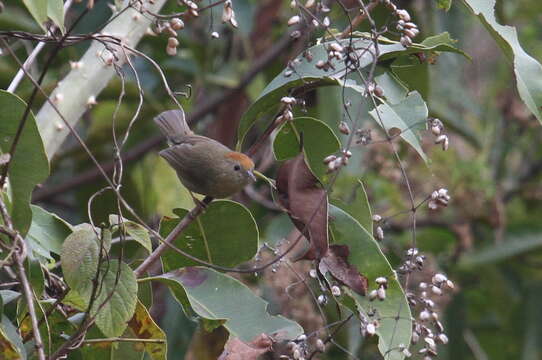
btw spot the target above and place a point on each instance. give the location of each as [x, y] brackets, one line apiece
[307, 204]
[235, 349]
[336, 262]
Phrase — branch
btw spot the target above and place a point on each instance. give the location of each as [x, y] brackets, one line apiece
[193, 118]
[183, 224]
[18, 241]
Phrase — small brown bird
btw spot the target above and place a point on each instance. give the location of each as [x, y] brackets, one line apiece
[203, 165]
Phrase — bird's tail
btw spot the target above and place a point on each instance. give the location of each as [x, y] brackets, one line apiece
[172, 124]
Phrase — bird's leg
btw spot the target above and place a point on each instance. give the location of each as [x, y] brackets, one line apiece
[198, 201]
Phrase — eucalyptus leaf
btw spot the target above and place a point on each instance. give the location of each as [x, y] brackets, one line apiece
[29, 165]
[395, 325]
[219, 297]
[528, 71]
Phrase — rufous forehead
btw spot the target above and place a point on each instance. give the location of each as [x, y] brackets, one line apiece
[242, 159]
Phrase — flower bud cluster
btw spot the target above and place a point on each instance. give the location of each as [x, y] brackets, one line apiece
[335, 162]
[427, 327]
[380, 292]
[364, 136]
[439, 199]
[228, 14]
[437, 127]
[299, 347]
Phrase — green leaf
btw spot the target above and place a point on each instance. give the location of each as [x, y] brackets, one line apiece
[528, 71]
[55, 11]
[143, 327]
[505, 250]
[394, 312]
[319, 141]
[226, 234]
[216, 296]
[8, 296]
[444, 4]
[407, 116]
[436, 43]
[29, 165]
[11, 344]
[47, 232]
[359, 208]
[38, 9]
[116, 297]
[35, 276]
[79, 257]
[306, 74]
[136, 231]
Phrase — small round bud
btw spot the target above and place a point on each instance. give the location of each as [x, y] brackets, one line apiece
[336, 291]
[320, 346]
[370, 329]
[176, 24]
[436, 290]
[377, 218]
[381, 293]
[379, 233]
[344, 128]
[373, 295]
[294, 20]
[172, 42]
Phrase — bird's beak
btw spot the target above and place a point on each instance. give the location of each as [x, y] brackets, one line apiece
[251, 174]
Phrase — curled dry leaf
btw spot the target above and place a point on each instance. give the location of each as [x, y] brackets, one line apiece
[306, 202]
[236, 349]
[336, 262]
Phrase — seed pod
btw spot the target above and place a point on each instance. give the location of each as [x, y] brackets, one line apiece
[445, 144]
[403, 14]
[344, 128]
[381, 280]
[410, 25]
[379, 233]
[294, 20]
[176, 24]
[320, 345]
[440, 139]
[172, 42]
[405, 41]
[410, 33]
[329, 159]
[336, 47]
[378, 91]
[287, 100]
[381, 293]
[326, 22]
[310, 3]
[373, 295]
[171, 51]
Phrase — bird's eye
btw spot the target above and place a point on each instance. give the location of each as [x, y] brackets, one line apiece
[236, 168]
